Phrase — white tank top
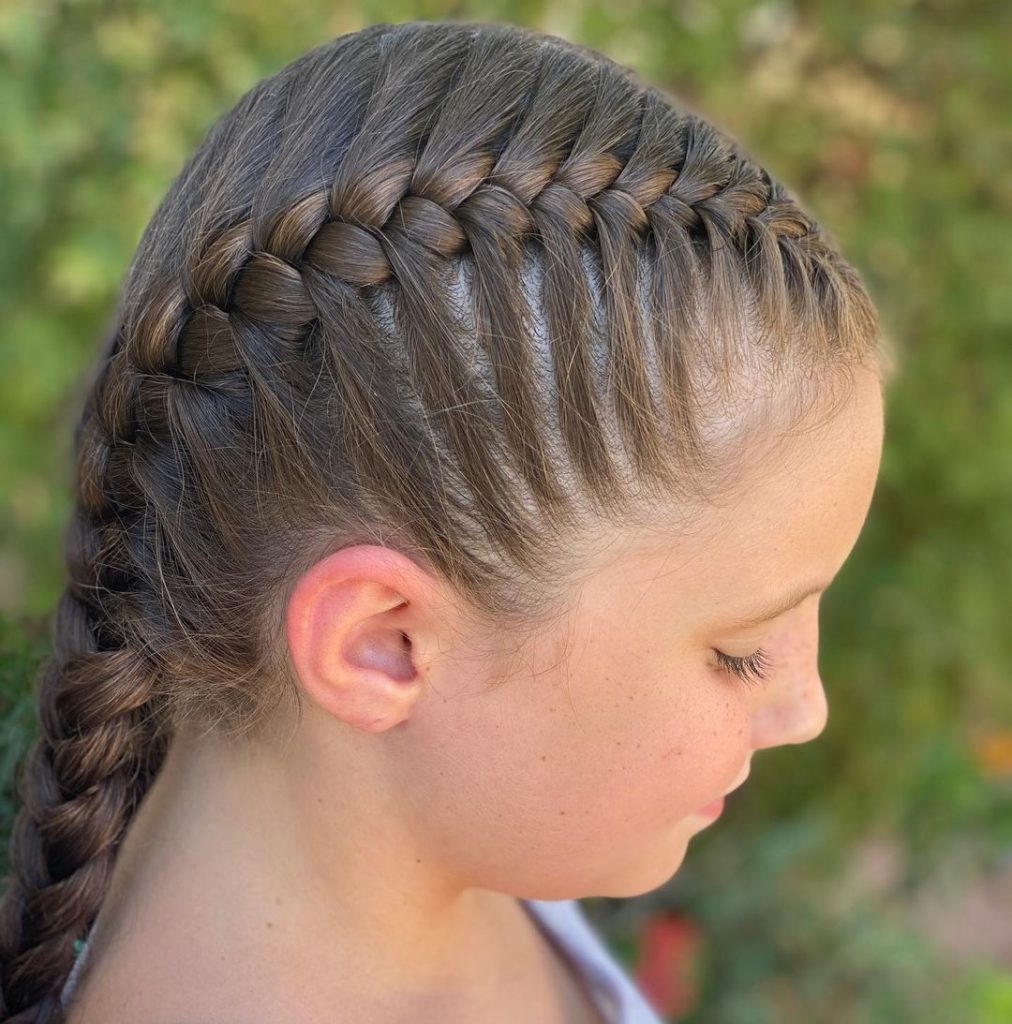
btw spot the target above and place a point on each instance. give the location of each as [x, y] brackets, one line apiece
[565, 924]
[606, 981]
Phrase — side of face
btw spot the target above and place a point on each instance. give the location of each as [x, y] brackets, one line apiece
[583, 772]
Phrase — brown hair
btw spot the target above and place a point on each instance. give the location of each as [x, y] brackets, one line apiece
[461, 289]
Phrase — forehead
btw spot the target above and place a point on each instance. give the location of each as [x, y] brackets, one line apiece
[789, 517]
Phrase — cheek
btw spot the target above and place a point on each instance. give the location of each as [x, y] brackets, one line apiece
[623, 748]
[661, 747]
[567, 775]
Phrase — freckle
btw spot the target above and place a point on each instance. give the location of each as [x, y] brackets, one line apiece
[269, 925]
[562, 812]
[544, 757]
[418, 860]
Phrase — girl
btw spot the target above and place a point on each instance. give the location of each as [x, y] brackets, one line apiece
[477, 434]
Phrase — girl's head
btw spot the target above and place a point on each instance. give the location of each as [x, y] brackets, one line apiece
[465, 396]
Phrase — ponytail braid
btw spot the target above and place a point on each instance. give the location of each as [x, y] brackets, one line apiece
[98, 746]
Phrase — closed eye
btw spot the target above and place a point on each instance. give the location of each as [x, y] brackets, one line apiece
[751, 670]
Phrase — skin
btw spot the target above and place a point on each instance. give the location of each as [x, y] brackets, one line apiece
[374, 851]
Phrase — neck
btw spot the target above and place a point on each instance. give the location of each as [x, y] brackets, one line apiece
[306, 880]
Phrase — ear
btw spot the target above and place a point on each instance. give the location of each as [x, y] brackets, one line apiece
[348, 626]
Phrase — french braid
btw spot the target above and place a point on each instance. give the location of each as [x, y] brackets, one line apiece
[450, 287]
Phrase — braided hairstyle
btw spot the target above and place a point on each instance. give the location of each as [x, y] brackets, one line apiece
[461, 289]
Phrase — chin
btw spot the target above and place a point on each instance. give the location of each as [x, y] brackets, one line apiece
[650, 874]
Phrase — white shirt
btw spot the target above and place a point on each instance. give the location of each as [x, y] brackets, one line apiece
[564, 923]
[607, 982]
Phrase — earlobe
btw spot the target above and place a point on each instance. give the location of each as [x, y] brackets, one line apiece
[352, 658]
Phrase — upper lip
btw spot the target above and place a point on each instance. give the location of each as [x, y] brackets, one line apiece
[740, 780]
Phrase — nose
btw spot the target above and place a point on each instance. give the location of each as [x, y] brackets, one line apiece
[793, 708]
[796, 712]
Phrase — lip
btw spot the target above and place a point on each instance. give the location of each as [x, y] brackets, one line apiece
[742, 776]
[712, 810]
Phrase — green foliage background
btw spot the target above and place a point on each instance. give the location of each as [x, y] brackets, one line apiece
[890, 120]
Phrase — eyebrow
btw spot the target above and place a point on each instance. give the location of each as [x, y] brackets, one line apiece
[784, 604]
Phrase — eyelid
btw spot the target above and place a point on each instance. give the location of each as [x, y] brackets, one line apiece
[752, 670]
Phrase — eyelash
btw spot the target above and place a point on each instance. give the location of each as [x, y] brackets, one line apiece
[751, 670]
